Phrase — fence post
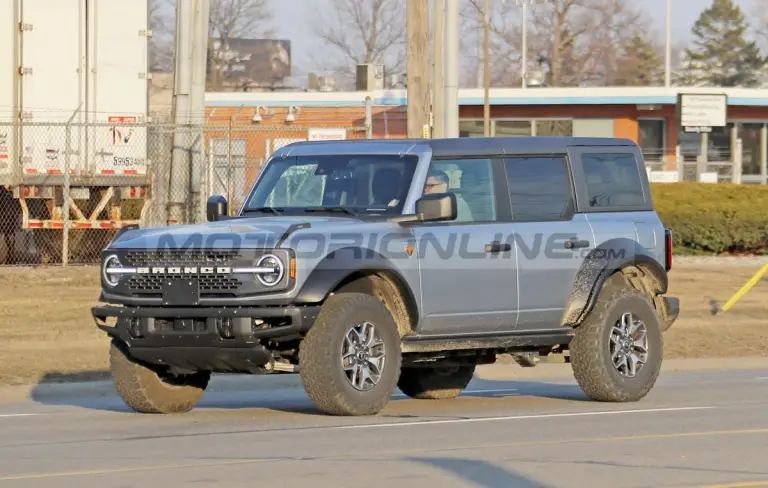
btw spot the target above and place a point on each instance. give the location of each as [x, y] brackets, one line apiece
[229, 167]
[737, 157]
[67, 182]
[679, 163]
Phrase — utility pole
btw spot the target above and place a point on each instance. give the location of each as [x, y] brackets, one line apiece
[190, 58]
[438, 105]
[451, 126]
[417, 26]
[487, 69]
[668, 56]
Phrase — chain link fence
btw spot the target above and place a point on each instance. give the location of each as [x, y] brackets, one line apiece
[66, 189]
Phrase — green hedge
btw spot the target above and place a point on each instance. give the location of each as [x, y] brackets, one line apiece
[714, 218]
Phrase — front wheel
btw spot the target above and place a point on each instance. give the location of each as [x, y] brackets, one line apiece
[148, 390]
[350, 359]
[617, 351]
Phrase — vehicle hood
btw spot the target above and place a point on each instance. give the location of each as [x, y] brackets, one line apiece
[240, 233]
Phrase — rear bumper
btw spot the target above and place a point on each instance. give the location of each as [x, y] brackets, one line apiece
[204, 338]
[669, 310]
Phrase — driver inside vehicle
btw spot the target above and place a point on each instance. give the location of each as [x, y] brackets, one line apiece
[437, 182]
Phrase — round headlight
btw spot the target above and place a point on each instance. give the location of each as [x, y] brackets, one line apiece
[273, 278]
[111, 263]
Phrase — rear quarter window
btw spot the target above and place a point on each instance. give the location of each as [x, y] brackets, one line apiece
[612, 180]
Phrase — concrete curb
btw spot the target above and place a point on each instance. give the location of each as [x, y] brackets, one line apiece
[501, 371]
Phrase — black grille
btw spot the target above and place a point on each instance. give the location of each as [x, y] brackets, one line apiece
[179, 258]
[208, 283]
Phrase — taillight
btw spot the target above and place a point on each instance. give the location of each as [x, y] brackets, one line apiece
[668, 249]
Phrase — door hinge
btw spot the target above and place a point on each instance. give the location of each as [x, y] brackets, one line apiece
[25, 27]
[25, 71]
[145, 33]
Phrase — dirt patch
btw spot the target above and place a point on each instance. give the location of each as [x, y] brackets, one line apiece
[48, 334]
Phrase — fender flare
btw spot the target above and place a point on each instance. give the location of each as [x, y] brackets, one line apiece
[603, 261]
[340, 265]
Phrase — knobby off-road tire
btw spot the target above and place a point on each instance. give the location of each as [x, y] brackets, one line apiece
[435, 383]
[322, 370]
[590, 349]
[145, 391]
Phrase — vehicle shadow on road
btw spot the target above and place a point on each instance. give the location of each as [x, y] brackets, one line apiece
[64, 390]
[480, 473]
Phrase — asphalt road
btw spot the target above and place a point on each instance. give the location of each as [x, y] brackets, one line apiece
[694, 429]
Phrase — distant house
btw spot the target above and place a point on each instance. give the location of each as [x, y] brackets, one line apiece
[248, 64]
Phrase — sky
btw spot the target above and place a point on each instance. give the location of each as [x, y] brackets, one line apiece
[295, 23]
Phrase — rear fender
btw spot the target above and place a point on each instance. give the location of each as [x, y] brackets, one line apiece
[616, 255]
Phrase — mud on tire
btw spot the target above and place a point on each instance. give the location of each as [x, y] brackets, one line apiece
[435, 383]
[591, 354]
[328, 379]
[146, 391]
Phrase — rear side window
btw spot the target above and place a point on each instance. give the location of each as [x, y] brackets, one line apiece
[538, 187]
[613, 180]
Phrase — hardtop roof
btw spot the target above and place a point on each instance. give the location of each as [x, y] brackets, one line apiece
[453, 147]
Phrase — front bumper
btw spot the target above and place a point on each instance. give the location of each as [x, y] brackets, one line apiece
[205, 338]
[669, 310]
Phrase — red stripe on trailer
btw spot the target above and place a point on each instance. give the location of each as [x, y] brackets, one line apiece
[53, 171]
[131, 172]
[107, 171]
[31, 171]
[34, 224]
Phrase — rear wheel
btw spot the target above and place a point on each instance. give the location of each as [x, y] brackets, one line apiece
[435, 383]
[350, 359]
[617, 351]
[148, 390]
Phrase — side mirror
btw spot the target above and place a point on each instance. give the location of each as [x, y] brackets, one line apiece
[437, 206]
[217, 208]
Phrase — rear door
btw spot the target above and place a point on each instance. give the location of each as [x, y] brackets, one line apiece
[552, 240]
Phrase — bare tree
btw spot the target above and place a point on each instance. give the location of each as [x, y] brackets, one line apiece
[364, 31]
[234, 19]
[575, 42]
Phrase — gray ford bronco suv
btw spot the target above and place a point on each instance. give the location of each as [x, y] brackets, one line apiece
[366, 266]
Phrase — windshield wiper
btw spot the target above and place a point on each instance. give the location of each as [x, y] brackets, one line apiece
[276, 211]
[331, 209]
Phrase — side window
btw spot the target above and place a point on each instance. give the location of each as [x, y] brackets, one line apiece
[538, 187]
[613, 180]
[471, 181]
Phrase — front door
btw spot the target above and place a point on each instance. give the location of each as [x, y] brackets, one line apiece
[467, 266]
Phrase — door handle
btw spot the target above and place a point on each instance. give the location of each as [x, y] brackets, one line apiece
[576, 243]
[497, 246]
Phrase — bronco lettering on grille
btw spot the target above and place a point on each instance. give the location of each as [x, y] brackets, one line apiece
[186, 270]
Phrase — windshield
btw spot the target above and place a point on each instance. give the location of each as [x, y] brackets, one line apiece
[355, 183]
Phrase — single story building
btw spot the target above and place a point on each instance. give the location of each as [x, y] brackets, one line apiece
[650, 116]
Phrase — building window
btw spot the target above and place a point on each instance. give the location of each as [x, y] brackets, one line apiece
[553, 128]
[513, 128]
[652, 138]
[471, 128]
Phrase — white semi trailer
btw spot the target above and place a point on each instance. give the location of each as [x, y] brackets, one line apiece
[74, 93]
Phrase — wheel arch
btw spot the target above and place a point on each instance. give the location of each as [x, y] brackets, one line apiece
[638, 267]
[360, 270]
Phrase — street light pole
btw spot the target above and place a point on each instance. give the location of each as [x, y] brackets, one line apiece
[487, 69]
[524, 49]
[668, 57]
[451, 82]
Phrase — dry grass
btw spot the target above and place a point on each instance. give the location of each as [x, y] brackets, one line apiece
[47, 331]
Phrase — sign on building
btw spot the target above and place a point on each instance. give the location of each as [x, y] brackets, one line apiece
[702, 112]
[327, 134]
